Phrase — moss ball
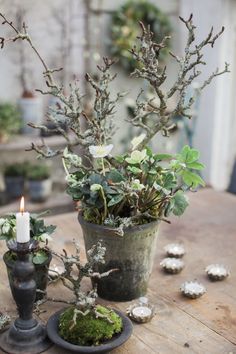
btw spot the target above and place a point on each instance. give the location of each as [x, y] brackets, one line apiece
[88, 329]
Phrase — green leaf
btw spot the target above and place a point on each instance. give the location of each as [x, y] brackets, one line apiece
[162, 157]
[115, 200]
[152, 172]
[120, 158]
[188, 155]
[115, 176]
[192, 179]
[134, 170]
[169, 180]
[40, 257]
[196, 165]
[180, 203]
[149, 151]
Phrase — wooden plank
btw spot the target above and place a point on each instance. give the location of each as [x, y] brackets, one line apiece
[206, 325]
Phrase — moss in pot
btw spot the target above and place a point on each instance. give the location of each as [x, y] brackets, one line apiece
[124, 197]
[86, 326]
[39, 182]
[41, 257]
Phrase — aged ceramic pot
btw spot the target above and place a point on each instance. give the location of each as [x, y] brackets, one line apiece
[40, 191]
[132, 254]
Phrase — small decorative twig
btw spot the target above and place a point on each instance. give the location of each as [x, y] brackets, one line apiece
[83, 303]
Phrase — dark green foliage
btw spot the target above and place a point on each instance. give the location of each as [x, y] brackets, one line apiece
[38, 172]
[89, 330]
[144, 187]
[16, 170]
[10, 121]
[125, 28]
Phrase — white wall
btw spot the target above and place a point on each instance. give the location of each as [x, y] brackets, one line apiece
[216, 119]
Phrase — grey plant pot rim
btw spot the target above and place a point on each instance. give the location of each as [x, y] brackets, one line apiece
[10, 263]
[109, 229]
[52, 331]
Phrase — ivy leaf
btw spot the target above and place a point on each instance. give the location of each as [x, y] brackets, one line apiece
[180, 203]
[115, 200]
[169, 180]
[115, 176]
[40, 257]
[192, 179]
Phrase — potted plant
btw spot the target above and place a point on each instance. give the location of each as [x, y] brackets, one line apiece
[14, 177]
[10, 121]
[124, 198]
[39, 182]
[125, 28]
[84, 326]
[41, 258]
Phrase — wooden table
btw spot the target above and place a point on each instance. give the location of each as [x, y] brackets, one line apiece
[206, 325]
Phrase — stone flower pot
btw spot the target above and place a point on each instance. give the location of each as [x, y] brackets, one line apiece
[14, 186]
[132, 253]
[106, 347]
[40, 191]
[41, 273]
[32, 112]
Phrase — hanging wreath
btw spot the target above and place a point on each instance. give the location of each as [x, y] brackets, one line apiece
[125, 28]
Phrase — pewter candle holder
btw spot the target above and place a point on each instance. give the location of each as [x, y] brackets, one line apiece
[174, 250]
[217, 272]
[26, 335]
[192, 289]
[172, 265]
[142, 311]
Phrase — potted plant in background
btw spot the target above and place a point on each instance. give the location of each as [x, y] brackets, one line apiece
[41, 258]
[123, 198]
[14, 178]
[39, 182]
[10, 121]
[84, 326]
[125, 29]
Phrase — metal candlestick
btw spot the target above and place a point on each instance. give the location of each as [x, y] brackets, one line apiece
[26, 335]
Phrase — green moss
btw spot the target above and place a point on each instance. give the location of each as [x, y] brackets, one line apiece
[88, 329]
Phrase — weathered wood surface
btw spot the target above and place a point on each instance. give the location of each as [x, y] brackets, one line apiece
[206, 325]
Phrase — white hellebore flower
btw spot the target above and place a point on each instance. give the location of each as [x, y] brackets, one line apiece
[136, 157]
[95, 187]
[137, 140]
[136, 185]
[100, 151]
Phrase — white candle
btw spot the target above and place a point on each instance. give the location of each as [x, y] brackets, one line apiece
[22, 224]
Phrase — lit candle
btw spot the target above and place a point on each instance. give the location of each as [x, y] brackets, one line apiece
[142, 311]
[22, 224]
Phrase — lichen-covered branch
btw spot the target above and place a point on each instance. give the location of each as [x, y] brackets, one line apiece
[153, 115]
[155, 118]
[74, 273]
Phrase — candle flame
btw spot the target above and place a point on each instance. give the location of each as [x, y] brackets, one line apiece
[22, 205]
